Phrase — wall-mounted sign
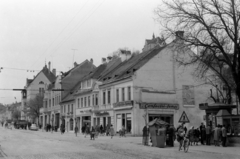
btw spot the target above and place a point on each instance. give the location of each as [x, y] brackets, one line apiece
[188, 95]
[158, 106]
[122, 104]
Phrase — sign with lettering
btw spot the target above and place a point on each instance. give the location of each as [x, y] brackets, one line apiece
[158, 106]
[122, 104]
[188, 95]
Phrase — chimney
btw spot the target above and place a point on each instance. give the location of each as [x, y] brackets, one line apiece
[54, 72]
[75, 64]
[125, 55]
[179, 35]
[109, 58]
[91, 60]
[103, 60]
[49, 65]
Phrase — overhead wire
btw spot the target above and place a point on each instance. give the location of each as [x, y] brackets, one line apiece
[60, 33]
[77, 27]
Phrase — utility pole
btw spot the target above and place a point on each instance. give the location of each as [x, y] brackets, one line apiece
[73, 55]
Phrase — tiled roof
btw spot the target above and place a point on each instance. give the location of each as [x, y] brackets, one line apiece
[29, 81]
[128, 67]
[96, 72]
[68, 98]
[51, 77]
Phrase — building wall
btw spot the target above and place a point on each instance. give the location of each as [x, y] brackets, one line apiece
[162, 73]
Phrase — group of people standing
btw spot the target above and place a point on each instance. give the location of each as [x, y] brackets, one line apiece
[207, 135]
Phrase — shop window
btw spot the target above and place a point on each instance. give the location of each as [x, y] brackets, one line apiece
[71, 124]
[104, 98]
[129, 93]
[109, 96]
[123, 94]
[117, 95]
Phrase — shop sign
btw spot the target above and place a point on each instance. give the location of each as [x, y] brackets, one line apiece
[158, 106]
[122, 104]
[101, 113]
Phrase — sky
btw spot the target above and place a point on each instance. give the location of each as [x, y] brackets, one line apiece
[34, 32]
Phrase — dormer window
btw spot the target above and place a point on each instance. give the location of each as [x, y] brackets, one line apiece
[115, 75]
[109, 77]
[128, 72]
[41, 82]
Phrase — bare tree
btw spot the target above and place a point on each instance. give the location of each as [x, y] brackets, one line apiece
[212, 28]
[32, 108]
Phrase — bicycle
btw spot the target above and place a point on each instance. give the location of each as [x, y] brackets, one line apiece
[185, 144]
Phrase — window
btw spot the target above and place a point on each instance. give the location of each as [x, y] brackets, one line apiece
[96, 96]
[78, 102]
[109, 96]
[72, 108]
[41, 82]
[49, 103]
[88, 83]
[129, 93]
[85, 101]
[53, 102]
[89, 101]
[64, 108]
[68, 108]
[93, 100]
[81, 102]
[117, 95]
[104, 97]
[123, 94]
[41, 91]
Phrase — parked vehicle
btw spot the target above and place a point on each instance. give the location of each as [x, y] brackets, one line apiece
[21, 124]
[34, 127]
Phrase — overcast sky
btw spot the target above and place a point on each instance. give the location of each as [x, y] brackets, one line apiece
[35, 31]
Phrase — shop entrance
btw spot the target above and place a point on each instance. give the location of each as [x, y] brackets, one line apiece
[86, 120]
[165, 117]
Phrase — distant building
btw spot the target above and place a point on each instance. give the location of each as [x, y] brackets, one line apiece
[151, 43]
[37, 85]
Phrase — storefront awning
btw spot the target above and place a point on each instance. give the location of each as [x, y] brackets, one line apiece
[223, 112]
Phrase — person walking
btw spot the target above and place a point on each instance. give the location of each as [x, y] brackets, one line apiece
[203, 135]
[208, 135]
[87, 130]
[191, 135]
[111, 131]
[171, 135]
[196, 136]
[76, 130]
[83, 129]
[92, 133]
[224, 136]
[101, 129]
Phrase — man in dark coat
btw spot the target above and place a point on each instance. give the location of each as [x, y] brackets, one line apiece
[171, 131]
[145, 136]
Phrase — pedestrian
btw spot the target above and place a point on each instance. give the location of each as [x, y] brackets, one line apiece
[224, 136]
[203, 135]
[87, 130]
[101, 129]
[111, 131]
[83, 129]
[208, 135]
[220, 134]
[62, 127]
[196, 136]
[216, 136]
[92, 133]
[201, 126]
[76, 130]
[191, 135]
[145, 136]
[171, 135]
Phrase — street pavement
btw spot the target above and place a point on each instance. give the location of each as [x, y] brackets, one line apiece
[26, 144]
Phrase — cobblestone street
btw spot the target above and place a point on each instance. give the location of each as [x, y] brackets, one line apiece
[25, 144]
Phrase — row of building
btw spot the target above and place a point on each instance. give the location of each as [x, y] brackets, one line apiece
[126, 90]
